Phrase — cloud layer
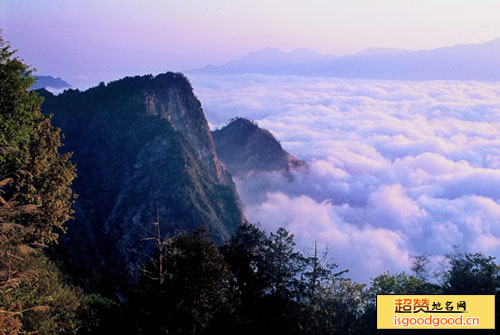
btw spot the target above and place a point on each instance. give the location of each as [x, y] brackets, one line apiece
[397, 169]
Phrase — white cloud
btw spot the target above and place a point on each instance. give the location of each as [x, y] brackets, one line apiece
[362, 250]
[396, 168]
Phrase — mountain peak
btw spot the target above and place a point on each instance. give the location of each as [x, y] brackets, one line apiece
[163, 81]
[49, 82]
[245, 148]
[143, 146]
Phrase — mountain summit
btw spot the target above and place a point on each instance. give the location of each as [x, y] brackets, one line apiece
[144, 152]
[244, 148]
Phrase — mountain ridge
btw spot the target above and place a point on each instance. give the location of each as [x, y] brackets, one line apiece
[459, 62]
[245, 148]
[142, 147]
[49, 82]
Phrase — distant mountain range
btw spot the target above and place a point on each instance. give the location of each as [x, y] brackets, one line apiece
[49, 82]
[460, 62]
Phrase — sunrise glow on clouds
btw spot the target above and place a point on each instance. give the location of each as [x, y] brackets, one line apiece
[396, 169]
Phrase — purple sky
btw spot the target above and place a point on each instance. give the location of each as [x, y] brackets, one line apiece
[88, 41]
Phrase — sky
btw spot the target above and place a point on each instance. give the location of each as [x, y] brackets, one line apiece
[92, 40]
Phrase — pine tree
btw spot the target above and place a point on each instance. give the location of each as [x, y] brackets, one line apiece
[284, 264]
[187, 290]
[245, 253]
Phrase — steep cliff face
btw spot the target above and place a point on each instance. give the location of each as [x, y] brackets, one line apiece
[245, 148]
[142, 147]
[183, 111]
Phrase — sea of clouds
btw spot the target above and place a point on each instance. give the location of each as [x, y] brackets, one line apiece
[396, 169]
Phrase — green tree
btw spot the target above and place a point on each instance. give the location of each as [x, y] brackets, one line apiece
[35, 200]
[33, 294]
[340, 305]
[283, 265]
[274, 284]
[192, 290]
[245, 253]
[318, 273]
[35, 145]
[420, 267]
[100, 315]
[470, 273]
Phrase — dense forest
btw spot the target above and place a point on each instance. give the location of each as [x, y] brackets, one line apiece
[254, 282]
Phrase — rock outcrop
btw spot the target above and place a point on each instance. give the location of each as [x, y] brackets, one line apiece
[245, 148]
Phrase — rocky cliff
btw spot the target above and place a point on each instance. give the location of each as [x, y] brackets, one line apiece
[245, 148]
[143, 148]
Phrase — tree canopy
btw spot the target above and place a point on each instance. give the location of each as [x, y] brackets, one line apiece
[35, 202]
[33, 145]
